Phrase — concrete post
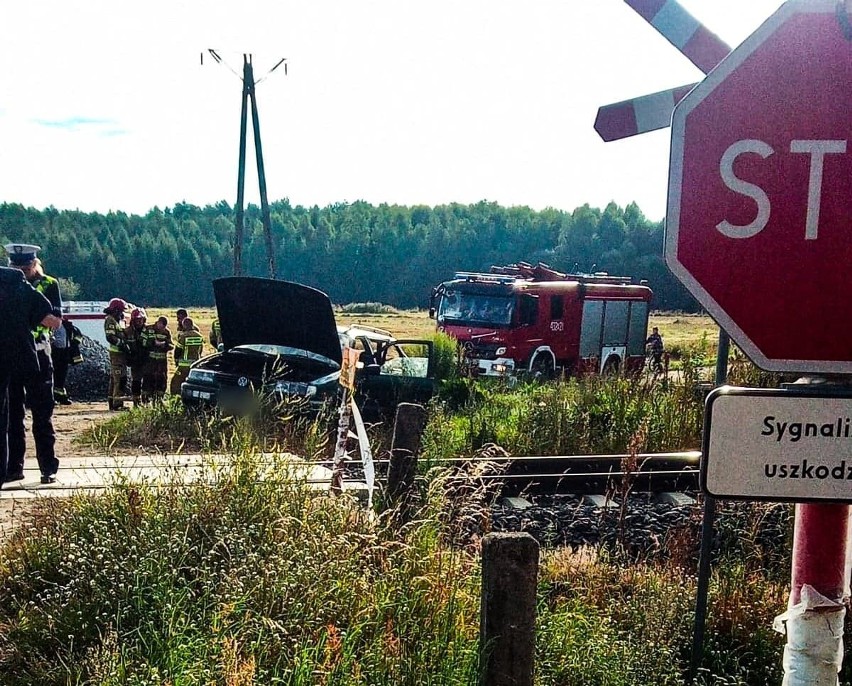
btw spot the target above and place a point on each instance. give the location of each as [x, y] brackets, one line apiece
[407, 436]
[507, 620]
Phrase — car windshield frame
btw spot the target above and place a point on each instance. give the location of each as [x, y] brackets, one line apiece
[284, 352]
[476, 309]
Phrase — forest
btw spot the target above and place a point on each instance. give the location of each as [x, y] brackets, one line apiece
[355, 252]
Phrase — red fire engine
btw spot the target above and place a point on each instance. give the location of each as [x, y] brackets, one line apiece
[525, 318]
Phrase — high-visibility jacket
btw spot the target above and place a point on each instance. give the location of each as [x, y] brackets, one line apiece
[49, 288]
[157, 342]
[114, 331]
[190, 345]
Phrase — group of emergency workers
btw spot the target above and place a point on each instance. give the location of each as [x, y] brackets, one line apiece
[143, 349]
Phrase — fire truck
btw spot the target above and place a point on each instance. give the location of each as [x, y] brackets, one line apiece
[530, 319]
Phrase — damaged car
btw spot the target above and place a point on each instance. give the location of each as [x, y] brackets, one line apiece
[280, 339]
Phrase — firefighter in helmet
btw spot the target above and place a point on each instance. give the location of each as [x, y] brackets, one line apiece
[189, 346]
[114, 331]
[137, 352]
[158, 342]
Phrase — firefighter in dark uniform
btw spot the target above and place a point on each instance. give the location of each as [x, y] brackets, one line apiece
[22, 308]
[158, 341]
[188, 348]
[64, 352]
[114, 333]
[135, 337]
[35, 391]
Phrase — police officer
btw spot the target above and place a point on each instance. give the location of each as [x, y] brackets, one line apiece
[64, 352]
[29, 366]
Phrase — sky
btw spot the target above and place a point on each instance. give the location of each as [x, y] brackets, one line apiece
[105, 105]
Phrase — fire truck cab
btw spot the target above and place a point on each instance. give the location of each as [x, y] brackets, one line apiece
[533, 319]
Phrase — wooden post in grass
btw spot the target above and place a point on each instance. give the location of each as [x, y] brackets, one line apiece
[507, 619]
[407, 435]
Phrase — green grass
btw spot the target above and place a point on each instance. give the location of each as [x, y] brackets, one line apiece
[240, 581]
[202, 584]
[593, 415]
[169, 426]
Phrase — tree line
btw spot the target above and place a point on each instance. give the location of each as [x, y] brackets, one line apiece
[355, 252]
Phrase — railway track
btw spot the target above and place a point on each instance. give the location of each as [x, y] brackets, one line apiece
[597, 479]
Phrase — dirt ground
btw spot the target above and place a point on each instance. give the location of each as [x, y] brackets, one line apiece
[69, 421]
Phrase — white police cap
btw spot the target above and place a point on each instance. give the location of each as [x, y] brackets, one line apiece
[21, 254]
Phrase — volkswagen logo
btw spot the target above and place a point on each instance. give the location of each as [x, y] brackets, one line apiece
[242, 382]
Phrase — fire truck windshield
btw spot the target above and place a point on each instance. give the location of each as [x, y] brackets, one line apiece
[475, 309]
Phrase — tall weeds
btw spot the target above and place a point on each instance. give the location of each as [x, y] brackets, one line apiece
[593, 415]
[247, 579]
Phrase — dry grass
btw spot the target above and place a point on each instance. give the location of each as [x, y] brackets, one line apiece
[682, 331]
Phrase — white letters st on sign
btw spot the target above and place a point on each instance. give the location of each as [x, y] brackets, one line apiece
[817, 149]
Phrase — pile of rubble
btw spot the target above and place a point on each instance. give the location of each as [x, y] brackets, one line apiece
[89, 380]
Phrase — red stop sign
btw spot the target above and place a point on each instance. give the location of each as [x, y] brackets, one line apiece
[759, 221]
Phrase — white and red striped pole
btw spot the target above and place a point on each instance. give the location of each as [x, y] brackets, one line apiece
[695, 41]
[651, 112]
[639, 115]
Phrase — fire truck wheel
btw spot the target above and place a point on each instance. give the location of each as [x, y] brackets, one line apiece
[542, 368]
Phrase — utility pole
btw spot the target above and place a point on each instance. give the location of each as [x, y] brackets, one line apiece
[249, 95]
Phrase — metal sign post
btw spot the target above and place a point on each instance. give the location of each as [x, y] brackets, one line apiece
[756, 230]
[758, 207]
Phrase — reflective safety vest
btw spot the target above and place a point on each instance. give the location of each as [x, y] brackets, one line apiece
[158, 343]
[43, 286]
[190, 345]
[114, 332]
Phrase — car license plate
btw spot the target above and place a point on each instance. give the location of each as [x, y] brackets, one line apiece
[203, 395]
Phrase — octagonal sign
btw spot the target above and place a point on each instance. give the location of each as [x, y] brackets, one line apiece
[759, 221]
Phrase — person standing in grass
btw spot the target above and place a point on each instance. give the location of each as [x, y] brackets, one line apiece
[189, 346]
[158, 342]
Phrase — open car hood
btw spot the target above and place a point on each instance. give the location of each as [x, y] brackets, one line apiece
[253, 310]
